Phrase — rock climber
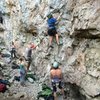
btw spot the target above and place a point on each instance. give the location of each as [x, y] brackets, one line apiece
[22, 71]
[51, 21]
[56, 79]
[28, 54]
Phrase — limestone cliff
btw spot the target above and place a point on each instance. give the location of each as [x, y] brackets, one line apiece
[78, 29]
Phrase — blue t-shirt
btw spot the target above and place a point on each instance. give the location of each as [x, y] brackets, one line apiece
[51, 22]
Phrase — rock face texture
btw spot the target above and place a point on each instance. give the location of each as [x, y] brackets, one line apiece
[79, 32]
[86, 17]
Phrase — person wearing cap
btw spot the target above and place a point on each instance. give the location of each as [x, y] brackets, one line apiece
[29, 54]
[51, 21]
[56, 78]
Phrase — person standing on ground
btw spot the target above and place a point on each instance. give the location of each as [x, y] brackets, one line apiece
[13, 51]
[56, 78]
[28, 56]
[22, 71]
[51, 21]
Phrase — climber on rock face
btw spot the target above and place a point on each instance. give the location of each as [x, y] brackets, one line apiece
[52, 29]
[29, 54]
[56, 79]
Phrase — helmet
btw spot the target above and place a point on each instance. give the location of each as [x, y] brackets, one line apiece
[55, 64]
[49, 15]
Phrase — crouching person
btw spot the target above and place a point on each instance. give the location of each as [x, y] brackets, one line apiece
[22, 71]
[3, 83]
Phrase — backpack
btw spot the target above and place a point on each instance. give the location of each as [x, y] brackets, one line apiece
[15, 66]
[46, 93]
[17, 78]
[3, 87]
[6, 82]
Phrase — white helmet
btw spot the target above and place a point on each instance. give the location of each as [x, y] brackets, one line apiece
[55, 64]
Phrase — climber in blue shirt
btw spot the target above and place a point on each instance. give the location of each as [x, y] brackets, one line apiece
[52, 29]
[51, 23]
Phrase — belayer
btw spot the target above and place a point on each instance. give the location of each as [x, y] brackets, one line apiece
[56, 79]
[28, 54]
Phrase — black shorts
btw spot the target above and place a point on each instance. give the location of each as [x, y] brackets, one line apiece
[54, 85]
[13, 50]
[29, 59]
[52, 32]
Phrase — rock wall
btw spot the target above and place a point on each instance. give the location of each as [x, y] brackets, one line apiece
[78, 29]
[86, 18]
